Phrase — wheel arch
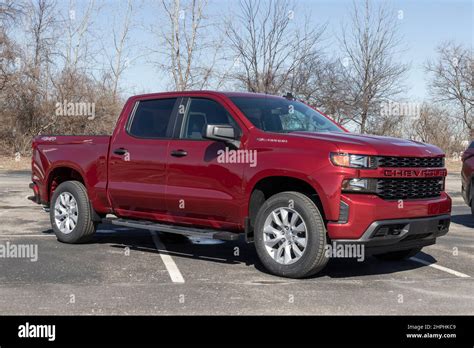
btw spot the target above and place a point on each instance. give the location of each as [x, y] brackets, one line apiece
[62, 173]
[266, 186]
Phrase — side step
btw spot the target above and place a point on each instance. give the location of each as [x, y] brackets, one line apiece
[187, 231]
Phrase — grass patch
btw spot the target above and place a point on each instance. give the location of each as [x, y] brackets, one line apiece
[12, 163]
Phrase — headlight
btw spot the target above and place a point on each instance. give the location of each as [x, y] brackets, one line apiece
[359, 185]
[353, 161]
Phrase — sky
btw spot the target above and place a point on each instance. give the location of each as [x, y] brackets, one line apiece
[424, 24]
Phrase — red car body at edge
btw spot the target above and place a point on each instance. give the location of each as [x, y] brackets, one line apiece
[467, 176]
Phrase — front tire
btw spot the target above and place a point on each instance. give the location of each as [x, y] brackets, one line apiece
[70, 213]
[290, 236]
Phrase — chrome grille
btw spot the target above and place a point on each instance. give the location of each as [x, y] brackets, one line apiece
[411, 162]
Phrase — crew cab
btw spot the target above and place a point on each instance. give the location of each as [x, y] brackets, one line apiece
[467, 176]
[269, 169]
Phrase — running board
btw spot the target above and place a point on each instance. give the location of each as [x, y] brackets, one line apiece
[186, 231]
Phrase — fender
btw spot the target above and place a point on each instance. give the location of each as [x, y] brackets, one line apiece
[268, 173]
[68, 165]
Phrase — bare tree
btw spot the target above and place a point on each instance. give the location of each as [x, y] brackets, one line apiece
[56, 64]
[9, 53]
[119, 61]
[9, 14]
[77, 78]
[428, 128]
[185, 50]
[41, 22]
[452, 81]
[42, 17]
[371, 45]
[77, 35]
[321, 83]
[269, 45]
[8, 56]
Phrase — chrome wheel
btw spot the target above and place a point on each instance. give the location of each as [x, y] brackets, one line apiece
[65, 212]
[285, 235]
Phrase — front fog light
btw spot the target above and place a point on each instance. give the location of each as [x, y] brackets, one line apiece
[359, 185]
[355, 184]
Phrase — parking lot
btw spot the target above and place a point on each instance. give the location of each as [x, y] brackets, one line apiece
[125, 271]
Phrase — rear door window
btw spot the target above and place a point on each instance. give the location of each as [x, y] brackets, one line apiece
[152, 118]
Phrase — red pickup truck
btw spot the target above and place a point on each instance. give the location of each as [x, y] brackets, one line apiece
[222, 165]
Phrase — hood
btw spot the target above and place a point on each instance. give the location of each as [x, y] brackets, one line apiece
[373, 144]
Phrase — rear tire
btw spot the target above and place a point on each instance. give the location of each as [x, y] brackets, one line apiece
[398, 255]
[71, 214]
[291, 244]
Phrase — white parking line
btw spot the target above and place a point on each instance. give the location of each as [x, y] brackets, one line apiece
[170, 265]
[25, 235]
[441, 268]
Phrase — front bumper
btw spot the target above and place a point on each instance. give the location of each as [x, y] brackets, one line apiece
[401, 234]
[365, 209]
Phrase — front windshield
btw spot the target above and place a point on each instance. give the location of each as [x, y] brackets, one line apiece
[281, 115]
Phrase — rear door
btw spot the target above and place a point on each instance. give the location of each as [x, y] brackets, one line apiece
[202, 187]
[138, 156]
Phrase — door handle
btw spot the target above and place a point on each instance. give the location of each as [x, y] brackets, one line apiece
[121, 151]
[179, 153]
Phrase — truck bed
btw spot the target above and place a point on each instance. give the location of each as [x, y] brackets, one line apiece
[85, 154]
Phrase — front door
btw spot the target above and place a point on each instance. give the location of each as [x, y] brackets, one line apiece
[202, 187]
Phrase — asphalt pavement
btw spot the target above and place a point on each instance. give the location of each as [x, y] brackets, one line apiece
[127, 271]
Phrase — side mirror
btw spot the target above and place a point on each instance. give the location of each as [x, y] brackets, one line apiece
[221, 132]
